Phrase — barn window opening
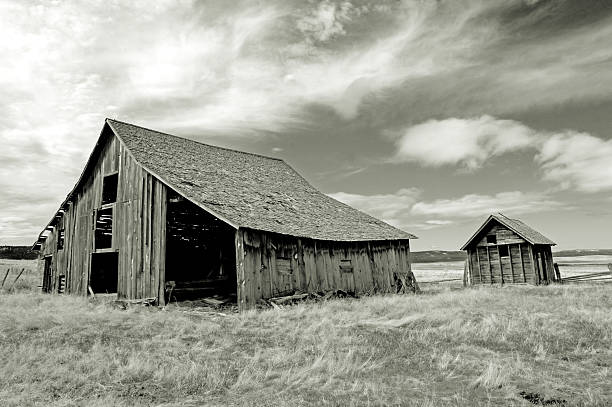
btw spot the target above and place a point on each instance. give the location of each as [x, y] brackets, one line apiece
[503, 251]
[103, 236]
[346, 266]
[60, 239]
[200, 255]
[109, 189]
[104, 272]
[491, 239]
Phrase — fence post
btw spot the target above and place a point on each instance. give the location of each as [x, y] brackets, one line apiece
[17, 278]
[5, 276]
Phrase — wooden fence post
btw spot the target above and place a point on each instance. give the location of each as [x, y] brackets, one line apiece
[5, 276]
[16, 278]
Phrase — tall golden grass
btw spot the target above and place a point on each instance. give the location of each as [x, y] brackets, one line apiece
[481, 346]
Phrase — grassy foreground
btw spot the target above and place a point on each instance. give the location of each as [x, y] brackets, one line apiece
[466, 347]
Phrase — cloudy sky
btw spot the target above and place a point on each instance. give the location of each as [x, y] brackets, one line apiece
[427, 114]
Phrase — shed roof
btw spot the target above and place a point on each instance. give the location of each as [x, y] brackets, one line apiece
[245, 189]
[520, 228]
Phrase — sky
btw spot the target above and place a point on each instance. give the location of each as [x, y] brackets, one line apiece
[429, 115]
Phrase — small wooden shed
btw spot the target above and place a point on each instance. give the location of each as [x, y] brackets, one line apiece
[155, 216]
[507, 251]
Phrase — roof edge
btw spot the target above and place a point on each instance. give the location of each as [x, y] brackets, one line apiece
[297, 174]
[107, 120]
[168, 184]
[404, 239]
[509, 226]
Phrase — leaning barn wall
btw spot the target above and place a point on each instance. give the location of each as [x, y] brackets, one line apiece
[270, 265]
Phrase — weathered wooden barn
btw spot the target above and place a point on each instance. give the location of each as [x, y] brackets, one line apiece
[154, 215]
[507, 251]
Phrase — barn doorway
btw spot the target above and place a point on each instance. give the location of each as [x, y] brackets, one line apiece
[47, 282]
[104, 272]
[200, 255]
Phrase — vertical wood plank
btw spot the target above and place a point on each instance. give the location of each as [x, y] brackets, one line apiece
[501, 267]
[478, 261]
[489, 263]
[161, 273]
[534, 267]
[522, 262]
[240, 278]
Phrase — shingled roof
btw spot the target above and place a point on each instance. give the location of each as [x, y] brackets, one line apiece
[526, 232]
[249, 190]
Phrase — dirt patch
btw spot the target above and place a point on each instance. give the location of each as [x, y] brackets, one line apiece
[536, 398]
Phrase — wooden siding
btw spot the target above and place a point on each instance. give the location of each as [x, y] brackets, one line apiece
[270, 265]
[520, 266]
[486, 266]
[502, 233]
[139, 224]
[546, 262]
[267, 264]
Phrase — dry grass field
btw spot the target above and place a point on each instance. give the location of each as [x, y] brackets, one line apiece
[464, 347]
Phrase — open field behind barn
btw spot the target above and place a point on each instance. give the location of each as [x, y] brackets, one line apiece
[30, 280]
[482, 346]
[448, 270]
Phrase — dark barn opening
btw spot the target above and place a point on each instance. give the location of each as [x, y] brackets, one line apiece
[103, 236]
[104, 272]
[109, 188]
[200, 254]
[47, 283]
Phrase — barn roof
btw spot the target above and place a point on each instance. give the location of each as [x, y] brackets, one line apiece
[245, 189]
[526, 232]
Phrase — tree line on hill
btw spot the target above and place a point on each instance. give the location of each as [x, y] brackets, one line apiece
[17, 253]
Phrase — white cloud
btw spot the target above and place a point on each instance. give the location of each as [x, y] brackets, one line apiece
[477, 205]
[577, 160]
[404, 209]
[438, 222]
[392, 208]
[469, 142]
[569, 158]
[325, 21]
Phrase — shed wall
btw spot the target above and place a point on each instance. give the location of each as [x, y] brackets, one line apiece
[517, 267]
[503, 235]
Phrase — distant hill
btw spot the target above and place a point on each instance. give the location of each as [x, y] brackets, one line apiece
[583, 252]
[434, 256]
[17, 253]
